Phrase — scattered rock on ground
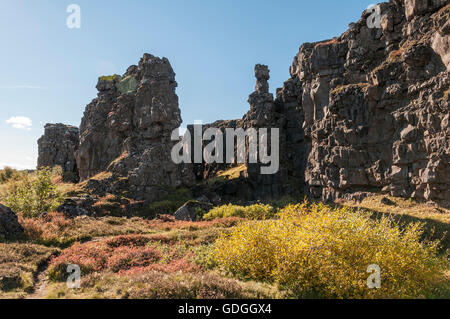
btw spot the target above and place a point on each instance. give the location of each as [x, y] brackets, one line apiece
[70, 208]
[190, 210]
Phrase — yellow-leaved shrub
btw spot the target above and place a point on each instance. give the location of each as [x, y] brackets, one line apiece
[256, 211]
[318, 251]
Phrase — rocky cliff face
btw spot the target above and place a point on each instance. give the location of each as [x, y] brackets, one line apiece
[127, 129]
[366, 111]
[57, 148]
[375, 105]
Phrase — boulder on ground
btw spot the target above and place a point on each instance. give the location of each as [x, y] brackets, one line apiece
[191, 209]
[71, 208]
[10, 227]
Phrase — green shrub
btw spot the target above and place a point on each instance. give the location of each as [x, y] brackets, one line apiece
[9, 174]
[259, 211]
[224, 211]
[317, 251]
[33, 195]
[256, 211]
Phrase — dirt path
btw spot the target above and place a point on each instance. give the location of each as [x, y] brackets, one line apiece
[40, 281]
[41, 277]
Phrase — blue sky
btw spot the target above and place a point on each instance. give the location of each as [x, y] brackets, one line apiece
[49, 72]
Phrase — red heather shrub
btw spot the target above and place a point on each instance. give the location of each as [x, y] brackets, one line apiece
[46, 227]
[177, 265]
[125, 258]
[127, 240]
[58, 220]
[33, 228]
[90, 256]
[116, 254]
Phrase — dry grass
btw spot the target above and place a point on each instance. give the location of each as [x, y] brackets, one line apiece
[227, 175]
[3, 189]
[160, 258]
[57, 230]
[19, 263]
[118, 159]
[325, 43]
[160, 285]
[396, 55]
[99, 177]
[404, 206]
[341, 88]
[232, 173]
[435, 217]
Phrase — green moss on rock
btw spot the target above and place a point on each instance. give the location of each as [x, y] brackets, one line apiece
[127, 85]
[109, 77]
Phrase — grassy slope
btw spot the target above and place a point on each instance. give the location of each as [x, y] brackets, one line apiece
[436, 218]
[182, 270]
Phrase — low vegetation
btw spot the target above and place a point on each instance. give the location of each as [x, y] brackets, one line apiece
[279, 249]
[317, 251]
[109, 77]
[435, 218]
[19, 262]
[10, 174]
[33, 194]
[54, 229]
[256, 211]
[161, 285]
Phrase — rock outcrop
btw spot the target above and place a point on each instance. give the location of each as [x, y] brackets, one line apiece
[57, 147]
[364, 112]
[263, 114]
[375, 105]
[127, 130]
[10, 227]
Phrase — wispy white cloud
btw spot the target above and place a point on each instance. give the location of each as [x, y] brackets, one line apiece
[20, 122]
[15, 87]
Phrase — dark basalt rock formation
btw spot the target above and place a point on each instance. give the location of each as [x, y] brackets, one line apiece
[367, 111]
[375, 105]
[10, 227]
[127, 130]
[57, 148]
